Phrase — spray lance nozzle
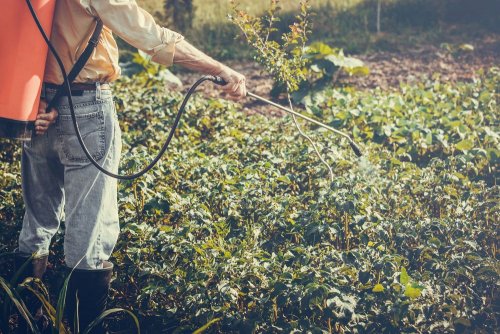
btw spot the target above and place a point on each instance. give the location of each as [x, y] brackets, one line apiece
[355, 148]
[221, 82]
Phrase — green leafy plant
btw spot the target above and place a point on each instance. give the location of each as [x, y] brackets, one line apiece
[283, 57]
[296, 67]
[323, 67]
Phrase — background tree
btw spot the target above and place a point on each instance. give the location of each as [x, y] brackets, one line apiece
[179, 13]
[379, 9]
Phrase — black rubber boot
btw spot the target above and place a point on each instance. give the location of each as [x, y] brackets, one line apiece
[88, 293]
[36, 269]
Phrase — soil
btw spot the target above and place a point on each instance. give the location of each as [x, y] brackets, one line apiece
[387, 70]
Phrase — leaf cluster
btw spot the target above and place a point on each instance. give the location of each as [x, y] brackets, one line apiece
[282, 56]
[296, 67]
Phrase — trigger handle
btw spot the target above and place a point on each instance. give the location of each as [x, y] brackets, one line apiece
[218, 80]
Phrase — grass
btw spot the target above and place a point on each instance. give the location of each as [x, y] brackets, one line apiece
[13, 293]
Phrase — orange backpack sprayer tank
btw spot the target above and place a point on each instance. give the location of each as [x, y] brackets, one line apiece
[22, 62]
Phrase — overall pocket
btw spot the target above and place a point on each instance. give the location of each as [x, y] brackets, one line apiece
[90, 119]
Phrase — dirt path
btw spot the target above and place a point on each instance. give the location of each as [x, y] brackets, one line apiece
[387, 69]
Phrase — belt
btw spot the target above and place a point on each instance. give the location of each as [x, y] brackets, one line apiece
[78, 88]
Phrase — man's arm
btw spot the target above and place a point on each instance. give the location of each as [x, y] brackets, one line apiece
[138, 28]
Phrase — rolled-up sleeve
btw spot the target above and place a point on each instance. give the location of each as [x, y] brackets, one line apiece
[137, 27]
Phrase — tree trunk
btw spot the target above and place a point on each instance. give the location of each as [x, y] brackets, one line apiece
[379, 8]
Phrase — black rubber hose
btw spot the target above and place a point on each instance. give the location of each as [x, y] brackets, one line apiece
[214, 79]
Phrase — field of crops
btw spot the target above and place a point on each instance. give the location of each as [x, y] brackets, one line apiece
[239, 228]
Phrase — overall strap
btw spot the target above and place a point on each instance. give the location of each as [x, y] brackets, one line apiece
[80, 63]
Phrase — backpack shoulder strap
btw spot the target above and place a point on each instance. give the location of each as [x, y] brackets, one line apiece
[80, 63]
[84, 57]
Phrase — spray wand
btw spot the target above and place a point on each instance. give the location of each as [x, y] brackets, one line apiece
[354, 146]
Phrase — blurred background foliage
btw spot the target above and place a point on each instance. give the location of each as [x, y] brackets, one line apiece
[348, 24]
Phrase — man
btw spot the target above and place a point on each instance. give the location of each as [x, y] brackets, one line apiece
[58, 180]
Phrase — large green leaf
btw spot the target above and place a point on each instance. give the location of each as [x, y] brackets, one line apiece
[464, 145]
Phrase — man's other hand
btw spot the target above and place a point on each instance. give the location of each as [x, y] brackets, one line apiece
[43, 119]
